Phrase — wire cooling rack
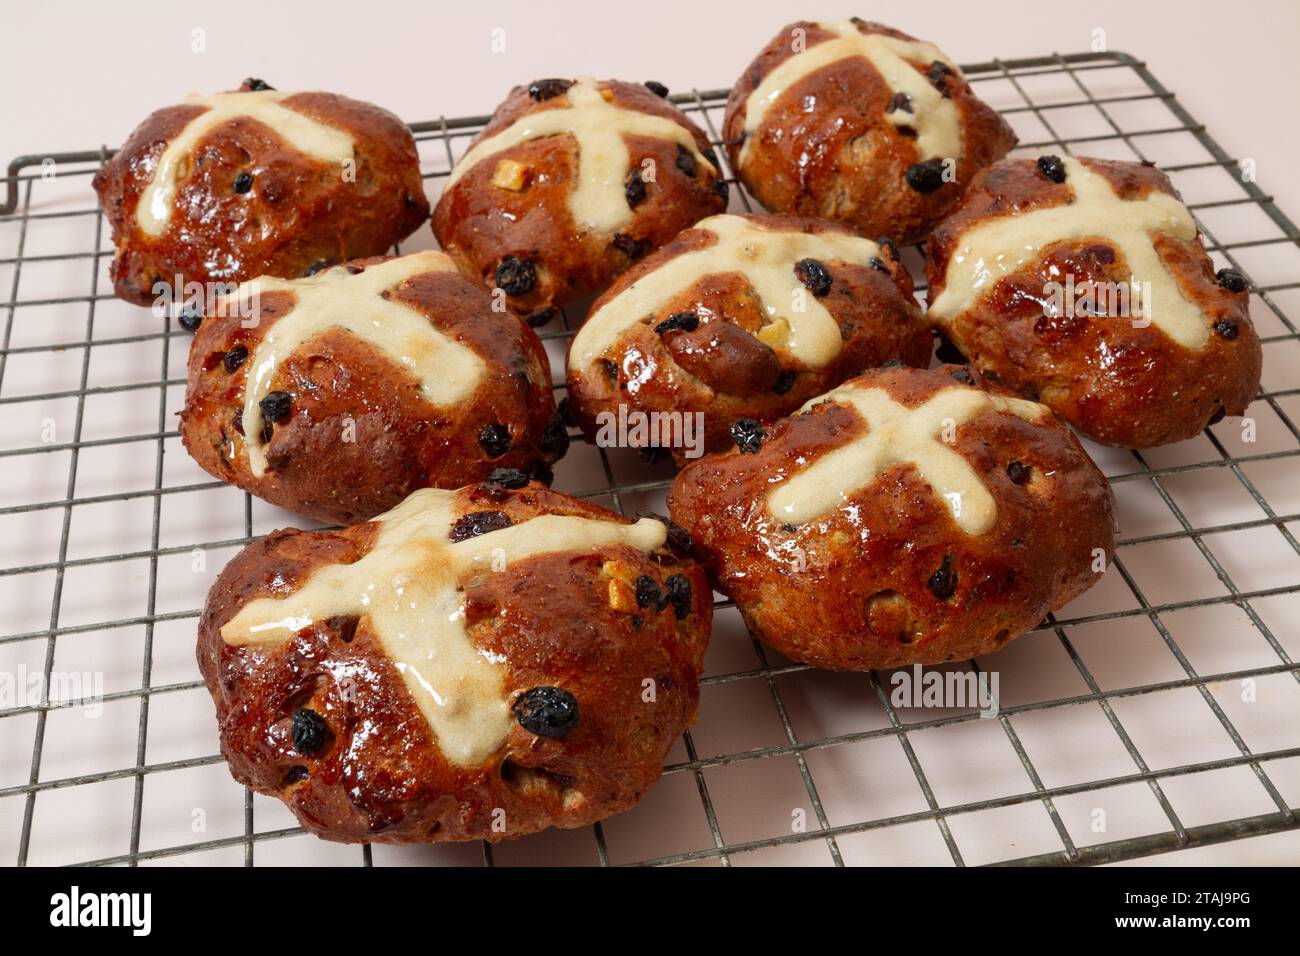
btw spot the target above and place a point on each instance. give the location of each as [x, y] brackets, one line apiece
[1158, 712]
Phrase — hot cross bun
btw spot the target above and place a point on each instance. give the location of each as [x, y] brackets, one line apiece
[476, 664]
[570, 183]
[1033, 280]
[742, 316]
[906, 517]
[859, 123]
[338, 394]
[257, 182]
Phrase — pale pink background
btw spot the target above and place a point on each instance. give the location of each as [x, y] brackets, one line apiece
[77, 76]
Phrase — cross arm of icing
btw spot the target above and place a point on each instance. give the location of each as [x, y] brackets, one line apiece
[934, 117]
[302, 132]
[598, 201]
[988, 252]
[407, 584]
[897, 434]
[448, 372]
[765, 257]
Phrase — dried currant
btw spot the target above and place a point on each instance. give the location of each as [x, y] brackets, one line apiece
[685, 160]
[542, 90]
[479, 522]
[546, 711]
[649, 594]
[1226, 328]
[1052, 168]
[938, 76]
[494, 439]
[943, 583]
[925, 176]
[234, 358]
[631, 247]
[511, 478]
[784, 382]
[814, 275]
[634, 187]
[243, 182]
[276, 406]
[1018, 472]
[658, 89]
[679, 594]
[748, 435]
[190, 317]
[1231, 279]
[685, 321]
[309, 731]
[516, 275]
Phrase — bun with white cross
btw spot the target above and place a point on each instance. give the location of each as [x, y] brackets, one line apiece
[908, 516]
[476, 664]
[859, 123]
[1083, 284]
[224, 188]
[743, 316]
[337, 394]
[570, 183]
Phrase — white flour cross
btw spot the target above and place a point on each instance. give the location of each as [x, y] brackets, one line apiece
[766, 258]
[407, 584]
[598, 201]
[932, 115]
[300, 131]
[900, 434]
[1002, 246]
[337, 299]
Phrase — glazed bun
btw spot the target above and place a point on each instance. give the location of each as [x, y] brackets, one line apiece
[228, 187]
[570, 183]
[906, 517]
[337, 395]
[862, 124]
[1033, 280]
[478, 664]
[742, 317]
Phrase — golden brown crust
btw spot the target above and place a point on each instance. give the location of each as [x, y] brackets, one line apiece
[1117, 383]
[361, 437]
[382, 776]
[851, 590]
[721, 369]
[299, 213]
[845, 161]
[479, 224]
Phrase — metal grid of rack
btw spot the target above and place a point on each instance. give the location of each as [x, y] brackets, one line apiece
[1128, 82]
